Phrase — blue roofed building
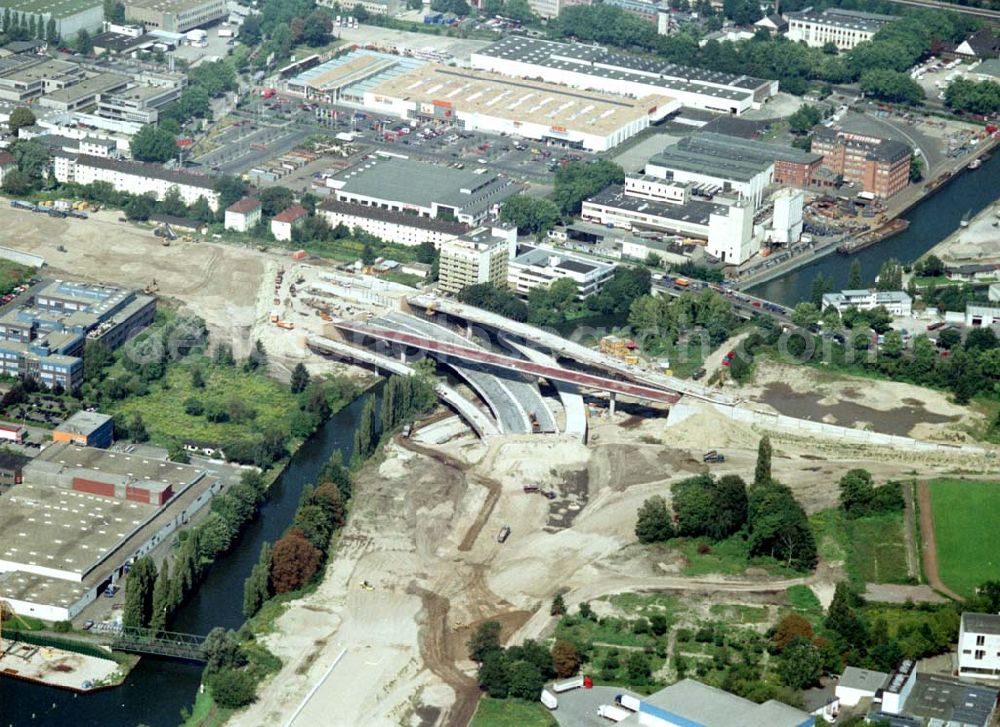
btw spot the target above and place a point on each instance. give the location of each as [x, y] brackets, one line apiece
[43, 337]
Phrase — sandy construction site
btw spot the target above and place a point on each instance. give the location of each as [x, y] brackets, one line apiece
[217, 282]
[423, 534]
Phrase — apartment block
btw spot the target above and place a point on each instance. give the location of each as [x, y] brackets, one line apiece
[135, 177]
[480, 256]
[979, 646]
[844, 28]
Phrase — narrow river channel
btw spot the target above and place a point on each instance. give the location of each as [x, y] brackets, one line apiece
[157, 690]
[930, 222]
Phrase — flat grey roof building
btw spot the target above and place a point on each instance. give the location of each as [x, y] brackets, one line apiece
[423, 186]
[849, 19]
[867, 680]
[689, 702]
[604, 62]
[950, 702]
[694, 212]
[981, 623]
[84, 422]
[725, 156]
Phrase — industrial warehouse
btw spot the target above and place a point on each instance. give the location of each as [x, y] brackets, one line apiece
[482, 101]
[594, 68]
[81, 514]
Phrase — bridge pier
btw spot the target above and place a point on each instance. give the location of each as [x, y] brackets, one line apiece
[611, 407]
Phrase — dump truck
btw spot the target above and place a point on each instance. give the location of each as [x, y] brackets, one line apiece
[713, 456]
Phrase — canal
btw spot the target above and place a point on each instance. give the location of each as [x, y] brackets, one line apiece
[157, 690]
[930, 222]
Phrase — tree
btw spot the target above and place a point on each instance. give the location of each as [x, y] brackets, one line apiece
[949, 338]
[531, 215]
[558, 607]
[275, 199]
[800, 664]
[579, 180]
[790, 627]
[844, 621]
[485, 641]
[172, 203]
[257, 587]
[890, 275]
[221, 650]
[972, 97]
[820, 286]
[51, 31]
[140, 208]
[153, 144]
[493, 675]
[32, 160]
[294, 561]
[804, 119]
[161, 601]
[17, 183]
[526, 680]
[250, 31]
[114, 11]
[916, 169]
[84, 43]
[365, 434]
[805, 315]
[889, 85]
[232, 688]
[637, 668]
[653, 524]
[933, 266]
[137, 429]
[230, 189]
[300, 378]
[854, 277]
[19, 118]
[565, 658]
[778, 526]
[139, 587]
[762, 470]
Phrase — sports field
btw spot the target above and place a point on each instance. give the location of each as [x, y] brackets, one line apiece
[965, 528]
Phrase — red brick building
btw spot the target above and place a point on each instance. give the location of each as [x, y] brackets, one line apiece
[880, 166]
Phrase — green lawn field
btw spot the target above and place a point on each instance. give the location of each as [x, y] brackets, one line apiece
[511, 713]
[965, 528]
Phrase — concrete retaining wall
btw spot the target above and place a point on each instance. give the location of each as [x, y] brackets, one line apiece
[21, 258]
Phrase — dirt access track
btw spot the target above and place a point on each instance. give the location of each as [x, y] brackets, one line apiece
[423, 534]
[929, 542]
[216, 282]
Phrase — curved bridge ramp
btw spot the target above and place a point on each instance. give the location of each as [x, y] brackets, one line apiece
[571, 398]
[511, 399]
[483, 425]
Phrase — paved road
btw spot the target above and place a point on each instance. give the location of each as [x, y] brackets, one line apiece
[578, 707]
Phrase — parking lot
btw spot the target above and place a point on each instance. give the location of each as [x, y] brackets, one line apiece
[578, 707]
[267, 127]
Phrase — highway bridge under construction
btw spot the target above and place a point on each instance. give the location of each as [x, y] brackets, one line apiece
[504, 371]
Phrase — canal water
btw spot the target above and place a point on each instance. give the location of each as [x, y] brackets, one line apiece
[157, 689]
[930, 222]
